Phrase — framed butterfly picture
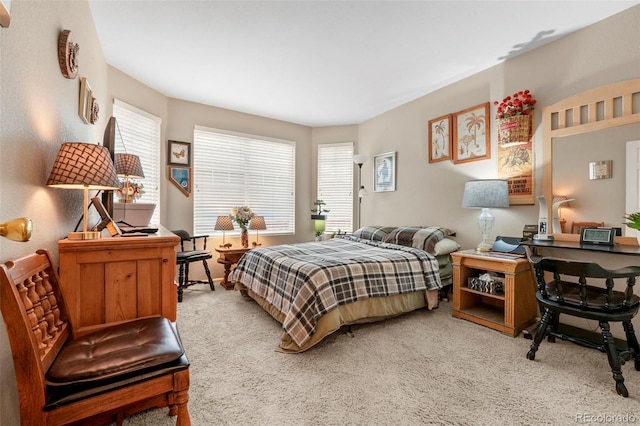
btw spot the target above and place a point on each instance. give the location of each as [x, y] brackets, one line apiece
[179, 154]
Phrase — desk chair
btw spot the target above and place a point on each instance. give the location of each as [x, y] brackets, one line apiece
[188, 254]
[579, 299]
[95, 378]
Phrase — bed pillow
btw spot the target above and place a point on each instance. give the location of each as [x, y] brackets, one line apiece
[445, 246]
[373, 233]
[424, 238]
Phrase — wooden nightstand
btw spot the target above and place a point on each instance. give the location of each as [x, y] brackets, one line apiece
[509, 312]
[229, 257]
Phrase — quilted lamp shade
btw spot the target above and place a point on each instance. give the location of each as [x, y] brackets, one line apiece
[223, 223]
[83, 166]
[257, 223]
[128, 166]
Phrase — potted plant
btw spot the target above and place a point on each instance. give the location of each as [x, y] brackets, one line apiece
[633, 221]
[319, 218]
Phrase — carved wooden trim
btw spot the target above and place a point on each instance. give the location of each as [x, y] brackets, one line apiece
[68, 54]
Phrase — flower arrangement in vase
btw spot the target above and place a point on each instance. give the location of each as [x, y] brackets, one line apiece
[129, 191]
[515, 116]
[242, 216]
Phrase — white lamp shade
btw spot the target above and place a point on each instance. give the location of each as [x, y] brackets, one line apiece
[486, 193]
[359, 159]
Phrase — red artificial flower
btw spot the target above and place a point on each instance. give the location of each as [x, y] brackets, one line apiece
[520, 103]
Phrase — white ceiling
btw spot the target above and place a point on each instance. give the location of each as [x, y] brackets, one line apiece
[321, 63]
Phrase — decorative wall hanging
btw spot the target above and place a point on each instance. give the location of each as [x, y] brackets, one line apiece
[471, 137]
[181, 177]
[384, 172]
[440, 137]
[94, 111]
[68, 54]
[600, 169]
[514, 118]
[85, 102]
[179, 153]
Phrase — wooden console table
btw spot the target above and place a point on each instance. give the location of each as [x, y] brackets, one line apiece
[229, 257]
[115, 279]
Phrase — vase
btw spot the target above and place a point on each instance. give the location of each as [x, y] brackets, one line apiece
[244, 238]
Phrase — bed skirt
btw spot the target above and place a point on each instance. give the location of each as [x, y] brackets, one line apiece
[361, 311]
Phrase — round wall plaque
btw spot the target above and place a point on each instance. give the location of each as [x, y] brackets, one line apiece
[68, 54]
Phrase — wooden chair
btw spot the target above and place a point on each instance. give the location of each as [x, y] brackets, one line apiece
[97, 378]
[188, 254]
[576, 227]
[583, 300]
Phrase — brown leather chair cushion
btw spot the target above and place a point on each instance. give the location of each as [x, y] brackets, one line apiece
[116, 353]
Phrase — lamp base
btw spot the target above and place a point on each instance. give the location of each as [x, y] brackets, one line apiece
[89, 235]
[482, 247]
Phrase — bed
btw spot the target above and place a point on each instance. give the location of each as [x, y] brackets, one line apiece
[313, 289]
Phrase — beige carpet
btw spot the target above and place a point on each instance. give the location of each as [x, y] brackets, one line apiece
[420, 368]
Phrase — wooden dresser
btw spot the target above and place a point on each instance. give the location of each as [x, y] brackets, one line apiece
[116, 279]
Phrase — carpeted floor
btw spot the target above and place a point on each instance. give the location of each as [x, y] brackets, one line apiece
[420, 368]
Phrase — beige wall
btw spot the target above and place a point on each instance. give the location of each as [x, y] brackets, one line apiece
[431, 194]
[38, 111]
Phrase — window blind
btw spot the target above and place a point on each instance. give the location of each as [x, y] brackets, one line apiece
[232, 170]
[335, 184]
[140, 133]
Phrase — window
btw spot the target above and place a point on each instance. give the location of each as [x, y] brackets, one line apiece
[138, 132]
[335, 184]
[232, 170]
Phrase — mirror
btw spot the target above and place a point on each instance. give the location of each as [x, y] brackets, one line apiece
[600, 200]
[581, 128]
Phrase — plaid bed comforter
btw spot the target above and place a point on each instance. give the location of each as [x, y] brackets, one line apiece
[305, 281]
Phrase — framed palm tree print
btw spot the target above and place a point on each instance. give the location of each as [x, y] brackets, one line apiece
[440, 139]
[471, 137]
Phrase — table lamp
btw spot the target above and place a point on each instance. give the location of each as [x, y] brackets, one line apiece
[224, 223]
[83, 166]
[557, 222]
[485, 194]
[257, 223]
[128, 166]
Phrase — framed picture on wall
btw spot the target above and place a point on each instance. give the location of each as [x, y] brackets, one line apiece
[440, 138]
[384, 172]
[85, 100]
[179, 153]
[471, 137]
[181, 177]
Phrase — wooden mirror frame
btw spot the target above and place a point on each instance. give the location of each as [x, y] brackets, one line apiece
[565, 118]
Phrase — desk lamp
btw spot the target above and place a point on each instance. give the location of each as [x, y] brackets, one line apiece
[485, 194]
[128, 166]
[224, 223]
[257, 223]
[83, 166]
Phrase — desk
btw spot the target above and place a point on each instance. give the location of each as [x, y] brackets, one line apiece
[571, 242]
[115, 279]
[575, 245]
[229, 257]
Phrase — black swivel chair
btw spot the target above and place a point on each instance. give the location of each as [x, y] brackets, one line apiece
[188, 254]
[579, 299]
